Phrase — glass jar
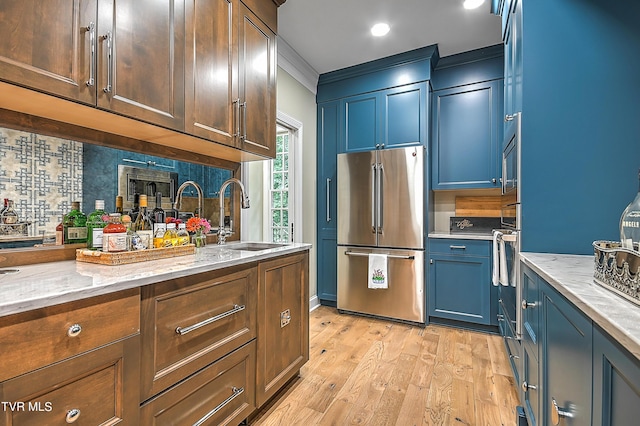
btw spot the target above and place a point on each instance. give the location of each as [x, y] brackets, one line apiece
[114, 235]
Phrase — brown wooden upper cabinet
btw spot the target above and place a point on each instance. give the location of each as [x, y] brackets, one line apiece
[230, 79]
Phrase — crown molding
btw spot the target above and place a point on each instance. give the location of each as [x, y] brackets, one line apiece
[295, 65]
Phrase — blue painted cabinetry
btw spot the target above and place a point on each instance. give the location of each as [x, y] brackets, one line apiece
[466, 134]
[512, 36]
[329, 136]
[386, 118]
[460, 281]
[616, 383]
[529, 383]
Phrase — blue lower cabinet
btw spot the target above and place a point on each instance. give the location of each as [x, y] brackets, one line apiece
[530, 385]
[566, 360]
[616, 381]
[460, 284]
[327, 275]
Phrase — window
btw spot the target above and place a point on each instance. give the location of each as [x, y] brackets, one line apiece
[280, 195]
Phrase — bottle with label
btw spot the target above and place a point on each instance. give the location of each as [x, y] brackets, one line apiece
[158, 215]
[170, 237]
[136, 207]
[630, 223]
[96, 221]
[142, 224]
[158, 235]
[75, 225]
[9, 215]
[114, 235]
[183, 235]
[119, 204]
[59, 234]
[4, 207]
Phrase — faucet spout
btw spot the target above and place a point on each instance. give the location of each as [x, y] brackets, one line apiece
[244, 203]
[177, 204]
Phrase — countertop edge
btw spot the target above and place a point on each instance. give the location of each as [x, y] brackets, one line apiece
[461, 236]
[599, 304]
[25, 294]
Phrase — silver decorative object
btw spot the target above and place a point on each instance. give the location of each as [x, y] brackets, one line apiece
[17, 229]
[617, 269]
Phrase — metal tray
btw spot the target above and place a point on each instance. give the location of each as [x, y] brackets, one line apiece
[617, 269]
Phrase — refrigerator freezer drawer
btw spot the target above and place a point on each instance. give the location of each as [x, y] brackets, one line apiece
[404, 299]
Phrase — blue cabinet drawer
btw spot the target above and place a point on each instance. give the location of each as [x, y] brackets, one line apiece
[460, 247]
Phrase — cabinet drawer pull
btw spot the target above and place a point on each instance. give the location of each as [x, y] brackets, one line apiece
[526, 305]
[184, 330]
[72, 415]
[236, 393]
[92, 58]
[557, 412]
[243, 109]
[328, 199]
[526, 387]
[74, 330]
[108, 37]
[453, 247]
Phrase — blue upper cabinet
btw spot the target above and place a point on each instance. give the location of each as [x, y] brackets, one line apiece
[512, 35]
[361, 123]
[466, 120]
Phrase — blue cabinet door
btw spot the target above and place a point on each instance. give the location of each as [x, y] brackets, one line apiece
[459, 284]
[566, 360]
[530, 385]
[530, 305]
[404, 115]
[327, 278]
[512, 61]
[362, 122]
[616, 381]
[465, 136]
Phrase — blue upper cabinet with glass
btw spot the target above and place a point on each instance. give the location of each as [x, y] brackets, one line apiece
[467, 120]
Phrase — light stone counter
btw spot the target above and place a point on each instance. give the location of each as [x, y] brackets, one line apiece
[461, 236]
[46, 284]
[572, 276]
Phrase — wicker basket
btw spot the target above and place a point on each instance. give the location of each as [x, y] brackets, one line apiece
[124, 257]
[617, 269]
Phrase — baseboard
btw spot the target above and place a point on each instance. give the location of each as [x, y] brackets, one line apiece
[314, 303]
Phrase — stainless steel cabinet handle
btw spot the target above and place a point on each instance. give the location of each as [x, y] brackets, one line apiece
[72, 415]
[243, 108]
[526, 387]
[509, 117]
[236, 118]
[526, 304]
[74, 330]
[379, 188]
[108, 37]
[493, 180]
[328, 199]
[235, 393]
[514, 356]
[92, 48]
[373, 198]
[392, 256]
[557, 412]
[453, 247]
[184, 330]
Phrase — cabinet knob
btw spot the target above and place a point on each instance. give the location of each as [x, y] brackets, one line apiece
[557, 413]
[494, 180]
[72, 415]
[526, 305]
[508, 117]
[74, 330]
[526, 386]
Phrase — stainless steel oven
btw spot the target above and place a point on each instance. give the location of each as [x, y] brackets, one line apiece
[510, 216]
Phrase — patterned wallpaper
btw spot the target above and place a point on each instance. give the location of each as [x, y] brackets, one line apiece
[42, 174]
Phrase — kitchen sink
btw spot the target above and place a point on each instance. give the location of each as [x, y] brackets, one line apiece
[254, 246]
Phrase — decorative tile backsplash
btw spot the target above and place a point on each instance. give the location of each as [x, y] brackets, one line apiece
[42, 174]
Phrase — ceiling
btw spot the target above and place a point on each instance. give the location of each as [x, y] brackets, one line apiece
[334, 34]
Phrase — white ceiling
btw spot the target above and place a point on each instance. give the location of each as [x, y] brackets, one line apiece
[334, 34]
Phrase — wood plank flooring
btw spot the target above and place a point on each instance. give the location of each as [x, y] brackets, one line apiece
[364, 371]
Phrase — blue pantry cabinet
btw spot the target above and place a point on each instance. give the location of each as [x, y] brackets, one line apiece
[460, 286]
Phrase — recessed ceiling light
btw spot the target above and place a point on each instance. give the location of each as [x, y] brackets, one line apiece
[472, 4]
[380, 29]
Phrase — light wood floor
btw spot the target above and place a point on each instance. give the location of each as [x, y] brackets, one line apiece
[365, 371]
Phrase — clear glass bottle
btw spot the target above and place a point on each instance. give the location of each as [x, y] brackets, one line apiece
[9, 215]
[96, 221]
[158, 215]
[630, 223]
[4, 207]
[114, 235]
[158, 235]
[183, 235]
[142, 224]
[75, 225]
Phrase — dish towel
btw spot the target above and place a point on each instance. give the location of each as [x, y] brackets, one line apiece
[504, 274]
[377, 277]
[495, 271]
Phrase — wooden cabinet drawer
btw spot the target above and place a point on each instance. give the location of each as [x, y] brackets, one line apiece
[102, 385]
[460, 246]
[222, 393]
[44, 336]
[190, 322]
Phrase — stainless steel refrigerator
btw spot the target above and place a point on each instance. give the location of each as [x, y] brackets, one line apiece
[381, 206]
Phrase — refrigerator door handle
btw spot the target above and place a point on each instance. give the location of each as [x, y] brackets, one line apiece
[374, 167]
[328, 200]
[379, 197]
[392, 256]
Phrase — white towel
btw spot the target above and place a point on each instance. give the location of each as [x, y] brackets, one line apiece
[495, 272]
[377, 277]
[504, 274]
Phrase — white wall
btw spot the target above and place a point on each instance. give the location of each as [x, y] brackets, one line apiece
[296, 101]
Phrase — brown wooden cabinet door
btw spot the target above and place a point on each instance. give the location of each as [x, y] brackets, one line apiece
[283, 322]
[46, 45]
[141, 60]
[257, 47]
[211, 66]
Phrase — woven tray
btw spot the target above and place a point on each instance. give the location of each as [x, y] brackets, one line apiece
[121, 258]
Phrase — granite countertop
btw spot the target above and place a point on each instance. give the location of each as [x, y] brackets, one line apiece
[572, 276]
[461, 236]
[47, 284]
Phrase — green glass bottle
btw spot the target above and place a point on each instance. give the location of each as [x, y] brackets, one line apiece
[75, 225]
[95, 224]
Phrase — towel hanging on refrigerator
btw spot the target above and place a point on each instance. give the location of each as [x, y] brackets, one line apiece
[495, 270]
[377, 277]
[504, 274]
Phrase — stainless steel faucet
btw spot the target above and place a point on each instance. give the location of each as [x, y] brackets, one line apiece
[244, 203]
[178, 202]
